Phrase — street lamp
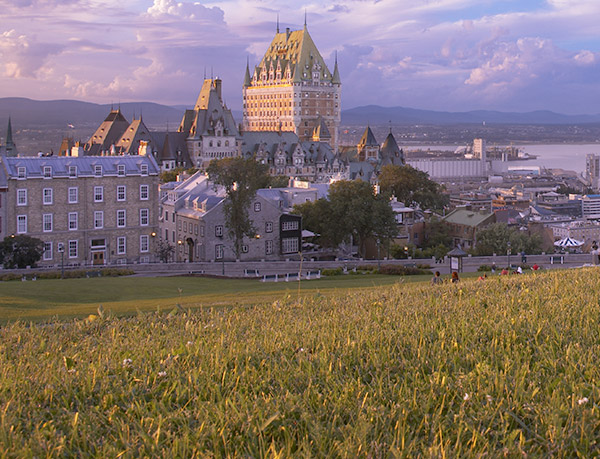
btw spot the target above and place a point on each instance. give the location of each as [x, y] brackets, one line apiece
[179, 243]
[378, 257]
[61, 250]
[508, 253]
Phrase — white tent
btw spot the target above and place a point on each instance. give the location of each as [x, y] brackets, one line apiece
[568, 242]
[307, 233]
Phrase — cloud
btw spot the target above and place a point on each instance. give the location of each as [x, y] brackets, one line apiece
[22, 57]
[162, 9]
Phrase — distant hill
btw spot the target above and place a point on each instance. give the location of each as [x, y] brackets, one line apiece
[31, 114]
[375, 114]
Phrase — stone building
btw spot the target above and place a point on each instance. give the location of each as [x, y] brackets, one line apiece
[292, 89]
[87, 210]
[209, 128]
[192, 220]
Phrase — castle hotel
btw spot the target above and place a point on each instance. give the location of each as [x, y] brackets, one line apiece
[293, 90]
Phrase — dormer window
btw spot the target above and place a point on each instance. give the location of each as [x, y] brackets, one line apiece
[121, 170]
[144, 169]
[47, 171]
[21, 172]
[98, 170]
[72, 171]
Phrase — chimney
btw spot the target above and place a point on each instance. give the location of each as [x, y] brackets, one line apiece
[287, 33]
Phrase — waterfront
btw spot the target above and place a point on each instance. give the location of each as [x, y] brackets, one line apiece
[551, 156]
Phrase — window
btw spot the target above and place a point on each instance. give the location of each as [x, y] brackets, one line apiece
[166, 215]
[121, 218]
[289, 226]
[73, 198]
[121, 193]
[144, 192]
[219, 231]
[47, 171]
[98, 219]
[47, 196]
[144, 217]
[98, 194]
[47, 223]
[219, 250]
[121, 170]
[121, 245]
[72, 249]
[289, 245]
[268, 227]
[47, 250]
[144, 169]
[21, 224]
[72, 171]
[244, 248]
[268, 247]
[257, 207]
[185, 227]
[21, 197]
[73, 221]
[196, 229]
[98, 170]
[21, 172]
[144, 243]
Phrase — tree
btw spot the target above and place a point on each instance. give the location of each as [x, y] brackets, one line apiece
[412, 187]
[164, 251]
[494, 238]
[241, 179]
[21, 251]
[436, 234]
[351, 210]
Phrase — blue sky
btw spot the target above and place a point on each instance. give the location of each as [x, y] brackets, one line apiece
[453, 55]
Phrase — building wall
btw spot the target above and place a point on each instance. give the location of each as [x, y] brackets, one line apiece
[85, 207]
[452, 168]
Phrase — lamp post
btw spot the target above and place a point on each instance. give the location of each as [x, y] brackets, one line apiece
[61, 250]
[153, 235]
[179, 244]
[508, 254]
[378, 257]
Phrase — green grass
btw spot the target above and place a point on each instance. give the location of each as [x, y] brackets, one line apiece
[506, 367]
[69, 298]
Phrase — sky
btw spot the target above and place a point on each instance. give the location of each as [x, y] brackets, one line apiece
[449, 55]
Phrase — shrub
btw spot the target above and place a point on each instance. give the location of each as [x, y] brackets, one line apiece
[332, 272]
[484, 268]
[399, 270]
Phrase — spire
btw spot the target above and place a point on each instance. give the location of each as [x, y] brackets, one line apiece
[9, 139]
[336, 73]
[247, 81]
[305, 18]
[277, 22]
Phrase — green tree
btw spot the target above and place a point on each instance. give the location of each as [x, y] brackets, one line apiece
[241, 179]
[494, 238]
[437, 234]
[352, 209]
[412, 187]
[164, 250]
[21, 251]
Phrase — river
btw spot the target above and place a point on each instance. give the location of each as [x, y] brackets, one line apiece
[559, 156]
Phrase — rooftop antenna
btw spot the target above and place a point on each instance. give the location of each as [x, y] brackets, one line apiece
[205, 72]
[277, 22]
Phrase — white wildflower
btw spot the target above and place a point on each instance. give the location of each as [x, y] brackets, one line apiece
[162, 374]
[127, 362]
[466, 397]
[583, 401]
[189, 343]
[489, 398]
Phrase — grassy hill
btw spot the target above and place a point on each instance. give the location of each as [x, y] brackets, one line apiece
[508, 366]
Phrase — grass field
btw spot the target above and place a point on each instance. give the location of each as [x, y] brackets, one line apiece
[67, 298]
[506, 367]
